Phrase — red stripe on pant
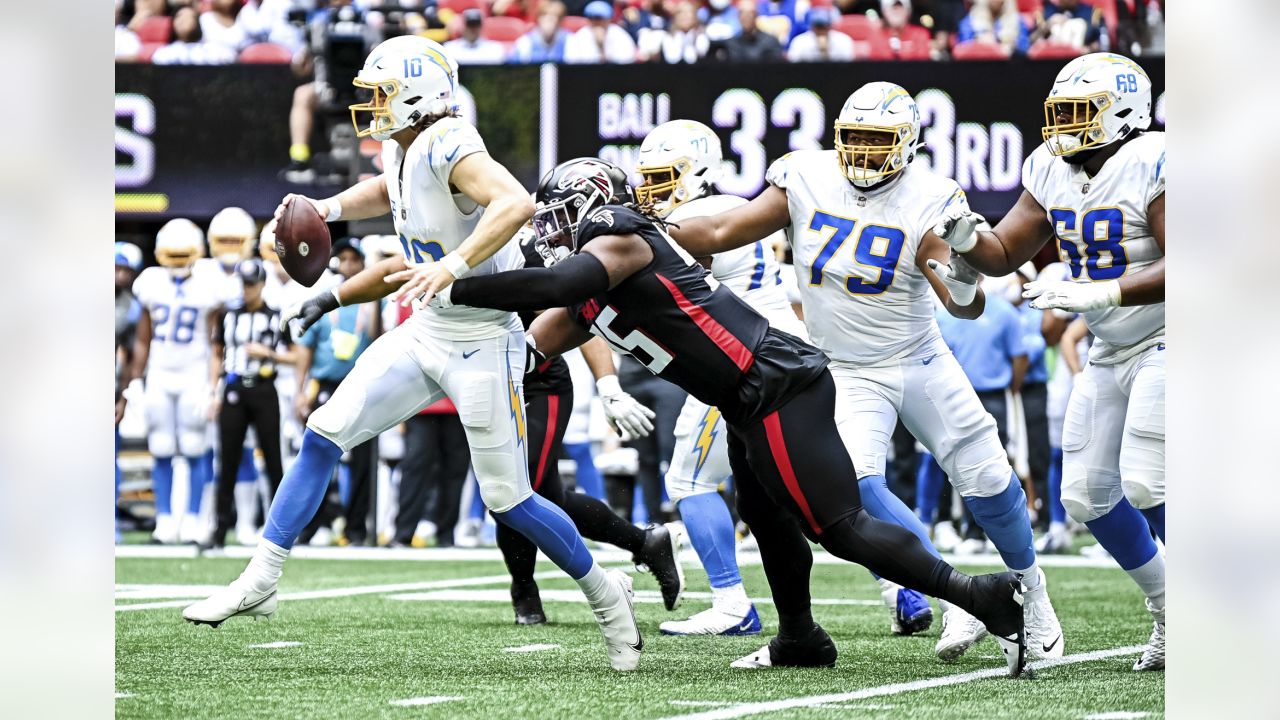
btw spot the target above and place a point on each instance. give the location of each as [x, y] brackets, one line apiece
[553, 410]
[781, 458]
[730, 345]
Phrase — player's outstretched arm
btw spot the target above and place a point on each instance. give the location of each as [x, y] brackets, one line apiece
[372, 283]
[366, 199]
[953, 280]
[766, 214]
[555, 333]
[1002, 250]
[1146, 287]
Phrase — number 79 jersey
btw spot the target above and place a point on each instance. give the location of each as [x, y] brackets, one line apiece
[179, 318]
[1101, 231]
[865, 301]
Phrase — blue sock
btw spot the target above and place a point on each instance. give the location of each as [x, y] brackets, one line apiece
[710, 527]
[199, 477]
[587, 476]
[929, 482]
[548, 527]
[162, 483]
[344, 484]
[1125, 534]
[1057, 513]
[477, 502]
[248, 472]
[1004, 517]
[639, 511]
[882, 504]
[302, 489]
[1155, 518]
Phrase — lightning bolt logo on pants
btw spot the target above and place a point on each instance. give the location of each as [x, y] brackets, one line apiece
[706, 436]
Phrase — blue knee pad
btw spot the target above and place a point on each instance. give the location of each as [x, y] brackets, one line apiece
[1004, 518]
[1057, 513]
[548, 527]
[710, 528]
[929, 483]
[200, 476]
[882, 504]
[1124, 532]
[1155, 518]
[302, 490]
[162, 483]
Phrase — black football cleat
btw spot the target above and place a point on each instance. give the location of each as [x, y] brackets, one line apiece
[999, 598]
[817, 650]
[660, 556]
[528, 604]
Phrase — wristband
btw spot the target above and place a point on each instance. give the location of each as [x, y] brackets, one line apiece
[456, 266]
[962, 294]
[608, 386]
[1113, 292]
[334, 209]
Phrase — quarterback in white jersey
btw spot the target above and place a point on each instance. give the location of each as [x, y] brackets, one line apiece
[859, 219]
[172, 346]
[1096, 187]
[455, 210]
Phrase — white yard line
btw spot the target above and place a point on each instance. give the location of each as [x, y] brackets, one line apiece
[277, 644]
[415, 701]
[758, 708]
[641, 596]
[531, 648]
[1117, 715]
[687, 556]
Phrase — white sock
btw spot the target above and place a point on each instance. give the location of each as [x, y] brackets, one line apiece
[731, 600]
[266, 566]
[246, 494]
[1057, 527]
[1030, 577]
[595, 584]
[1150, 577]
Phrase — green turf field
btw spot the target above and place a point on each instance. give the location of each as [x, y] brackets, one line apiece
[357, 651]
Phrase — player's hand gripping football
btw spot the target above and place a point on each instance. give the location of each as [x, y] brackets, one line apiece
[958, 227]
[959, 277]
[421, 283]
[1072, 296]
[321, 206]
[625, 414]
[300, 316]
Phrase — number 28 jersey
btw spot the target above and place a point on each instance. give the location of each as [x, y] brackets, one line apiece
[1101, 231]
[865, 300]
[179, 318]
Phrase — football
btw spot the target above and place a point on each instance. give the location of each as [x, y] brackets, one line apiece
[303, 242]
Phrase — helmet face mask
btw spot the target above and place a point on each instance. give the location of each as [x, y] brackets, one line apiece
[178, 245]
[380, 94]
[554, 232]
[1096, 100]
[679, 161]
[876, 134]
[407, 78]
[570, 192]
[1072, 124]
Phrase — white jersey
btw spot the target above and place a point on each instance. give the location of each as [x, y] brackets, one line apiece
[1100, 224]
[751, 271]
[865, 300]
[432, 220]
[179, 318]
[229, 286]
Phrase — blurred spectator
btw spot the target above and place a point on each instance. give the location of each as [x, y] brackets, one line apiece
[1071, 22]
[189, 47]
[751, 45]
[600, 41]
[136, 12]
[471, 48]
[1139, 27]
[512, 8]
[898, 26]
[275, 21]
[722, 20]
[783, 19]
[546, 41]
[820, 43]
[682, 42]
[127, 43]
[641, 16]
[995, 21]
[218, 25]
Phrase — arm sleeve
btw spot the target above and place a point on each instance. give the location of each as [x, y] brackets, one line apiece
[572, 281]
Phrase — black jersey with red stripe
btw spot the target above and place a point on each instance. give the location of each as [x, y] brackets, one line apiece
[552, 377]
[680, 323]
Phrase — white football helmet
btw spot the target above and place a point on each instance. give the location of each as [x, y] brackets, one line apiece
[231, 234]
[877, 109]
[179, 244]
[1096, 100]
[128, 255]
[679, 161]
[411, 78]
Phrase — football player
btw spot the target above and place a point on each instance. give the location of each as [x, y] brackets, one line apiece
[679, 162]
[455, 210]
[1096, 187]
[616, 274]
[172, 353]
[128, 265]
[859, 219]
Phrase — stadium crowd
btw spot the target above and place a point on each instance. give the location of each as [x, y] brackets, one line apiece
[206, 32]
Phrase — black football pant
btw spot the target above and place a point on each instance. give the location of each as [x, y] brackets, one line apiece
[432, 474]
[360, 465]
[1035, 402]
[795, 479]
[547, 416]
[244, 405]
[666, 401]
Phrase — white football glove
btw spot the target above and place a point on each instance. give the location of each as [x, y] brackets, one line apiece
[958, 227]
[959, 277]
[628, 417]
[1072, 296]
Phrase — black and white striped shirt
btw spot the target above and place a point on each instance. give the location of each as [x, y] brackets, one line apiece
[241, 327]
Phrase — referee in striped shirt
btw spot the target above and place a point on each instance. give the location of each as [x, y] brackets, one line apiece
[250, 347]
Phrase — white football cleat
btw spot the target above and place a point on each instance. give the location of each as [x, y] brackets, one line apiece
[715, 622]
[1056, 540]
[166, 532]
[945, 537]
[960, 631]
[235, 599]
[971, 546]
[1153, 656]
[617, 619]
[246, 534]
[1044, 632]
[192, 531]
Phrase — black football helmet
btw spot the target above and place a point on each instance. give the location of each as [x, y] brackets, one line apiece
[570, 192]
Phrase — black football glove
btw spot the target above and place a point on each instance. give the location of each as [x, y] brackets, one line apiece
[297, 318]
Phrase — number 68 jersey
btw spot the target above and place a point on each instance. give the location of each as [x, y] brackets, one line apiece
[865, 300]
[1101, 231]
[179, 318]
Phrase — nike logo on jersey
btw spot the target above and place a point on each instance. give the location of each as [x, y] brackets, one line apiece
[467, 355]
[931, 359]
[1049, 647]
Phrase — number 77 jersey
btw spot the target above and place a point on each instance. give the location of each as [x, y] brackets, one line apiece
[865, 300]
